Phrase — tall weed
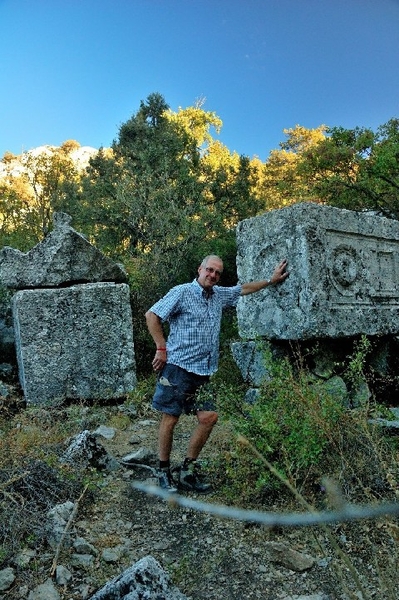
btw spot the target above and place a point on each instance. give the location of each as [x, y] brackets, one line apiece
[290, 423]
[307, 433]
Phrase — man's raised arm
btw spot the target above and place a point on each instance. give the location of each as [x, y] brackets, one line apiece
[279, 274]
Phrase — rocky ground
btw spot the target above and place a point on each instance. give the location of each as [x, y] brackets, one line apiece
[206, 557]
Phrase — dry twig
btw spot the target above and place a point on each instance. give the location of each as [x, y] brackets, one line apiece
[348, 512]
[67, 527]
[10, 495]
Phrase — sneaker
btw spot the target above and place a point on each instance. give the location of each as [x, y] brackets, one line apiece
[192, 480]
[165, 481]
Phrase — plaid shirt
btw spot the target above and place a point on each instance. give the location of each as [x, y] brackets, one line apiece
[194, 319]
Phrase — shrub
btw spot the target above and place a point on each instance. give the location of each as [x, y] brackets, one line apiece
[303, 431]
[290, 424]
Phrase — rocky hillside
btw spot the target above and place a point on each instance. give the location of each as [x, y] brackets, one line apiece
[13, 166]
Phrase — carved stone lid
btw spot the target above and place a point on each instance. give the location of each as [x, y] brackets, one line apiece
[64, 257]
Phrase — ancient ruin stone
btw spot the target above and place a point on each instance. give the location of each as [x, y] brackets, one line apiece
[250, 358]
[343, 266]
[58, 517]
[145, 580]
[74, 342]
[84, 450]
[63, 257]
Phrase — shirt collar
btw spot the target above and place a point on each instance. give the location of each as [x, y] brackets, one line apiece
[205, 293]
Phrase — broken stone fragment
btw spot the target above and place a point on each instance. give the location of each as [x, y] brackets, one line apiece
[64, 257]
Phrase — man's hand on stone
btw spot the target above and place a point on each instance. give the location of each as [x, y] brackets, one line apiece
[279, 273]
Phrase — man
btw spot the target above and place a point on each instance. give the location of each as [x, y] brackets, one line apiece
[190, 356]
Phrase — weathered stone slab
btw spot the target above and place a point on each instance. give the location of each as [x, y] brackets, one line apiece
[255, 358]
[144, 580]
[63, 257]
[74, 342]
[344, 273]
[249, 359]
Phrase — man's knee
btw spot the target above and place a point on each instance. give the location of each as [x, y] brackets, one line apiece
[207, 417]
[169, 421]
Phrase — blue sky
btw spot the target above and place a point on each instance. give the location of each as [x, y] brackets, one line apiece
[78, 69]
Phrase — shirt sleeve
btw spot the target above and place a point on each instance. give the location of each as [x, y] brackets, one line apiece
[230, 295]
[169, 304]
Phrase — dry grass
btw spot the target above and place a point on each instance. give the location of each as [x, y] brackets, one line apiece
[363, 463]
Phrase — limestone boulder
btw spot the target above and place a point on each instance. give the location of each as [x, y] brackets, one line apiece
[344, 272]
[74, 342]
[64, 257]
[144, 580]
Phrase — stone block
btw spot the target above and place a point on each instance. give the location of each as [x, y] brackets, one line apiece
[63, 257]
[144, 579]
[249, 359]
[74, 342]
[252, 358]
[344, 270]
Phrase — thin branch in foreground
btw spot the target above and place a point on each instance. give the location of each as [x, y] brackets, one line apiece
[67, 527]
[11, 495]
[349, 512]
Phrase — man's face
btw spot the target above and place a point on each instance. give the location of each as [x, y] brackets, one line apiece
[208, 276]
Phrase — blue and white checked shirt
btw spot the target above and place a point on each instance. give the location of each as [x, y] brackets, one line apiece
[193, 341]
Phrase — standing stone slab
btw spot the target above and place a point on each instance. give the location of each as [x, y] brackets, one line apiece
[344, 273]
[74, 342]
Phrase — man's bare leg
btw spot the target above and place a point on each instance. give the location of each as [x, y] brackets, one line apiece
[190, 477]
[206, 421]
[165, 435]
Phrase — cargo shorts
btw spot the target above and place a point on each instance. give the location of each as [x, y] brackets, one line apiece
[177, 392]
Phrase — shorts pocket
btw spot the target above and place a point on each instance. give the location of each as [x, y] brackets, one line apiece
[165, 397]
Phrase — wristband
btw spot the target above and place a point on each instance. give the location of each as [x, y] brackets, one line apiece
[161, 349]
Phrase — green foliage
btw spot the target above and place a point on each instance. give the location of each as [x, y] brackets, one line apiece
[142, 198]
[161, 194]
[282, 179]
[291, 424]
[46, 182]
[297, 433]
[356, 168]
[141, 396]
[16, 219]
[355, 371]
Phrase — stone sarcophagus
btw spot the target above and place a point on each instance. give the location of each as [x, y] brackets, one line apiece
[74, 342]
[344, 273]
[72, 319]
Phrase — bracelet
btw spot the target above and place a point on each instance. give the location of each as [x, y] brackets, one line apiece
[161, 349]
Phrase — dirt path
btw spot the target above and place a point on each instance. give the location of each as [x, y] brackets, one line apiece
[207, 557]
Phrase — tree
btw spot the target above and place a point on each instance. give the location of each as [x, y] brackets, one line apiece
[282, 182]
[144, 195]
[356, 168]
[15, 218]
[168, 189]
[197, 123]
[51, 175]
[33, 186]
